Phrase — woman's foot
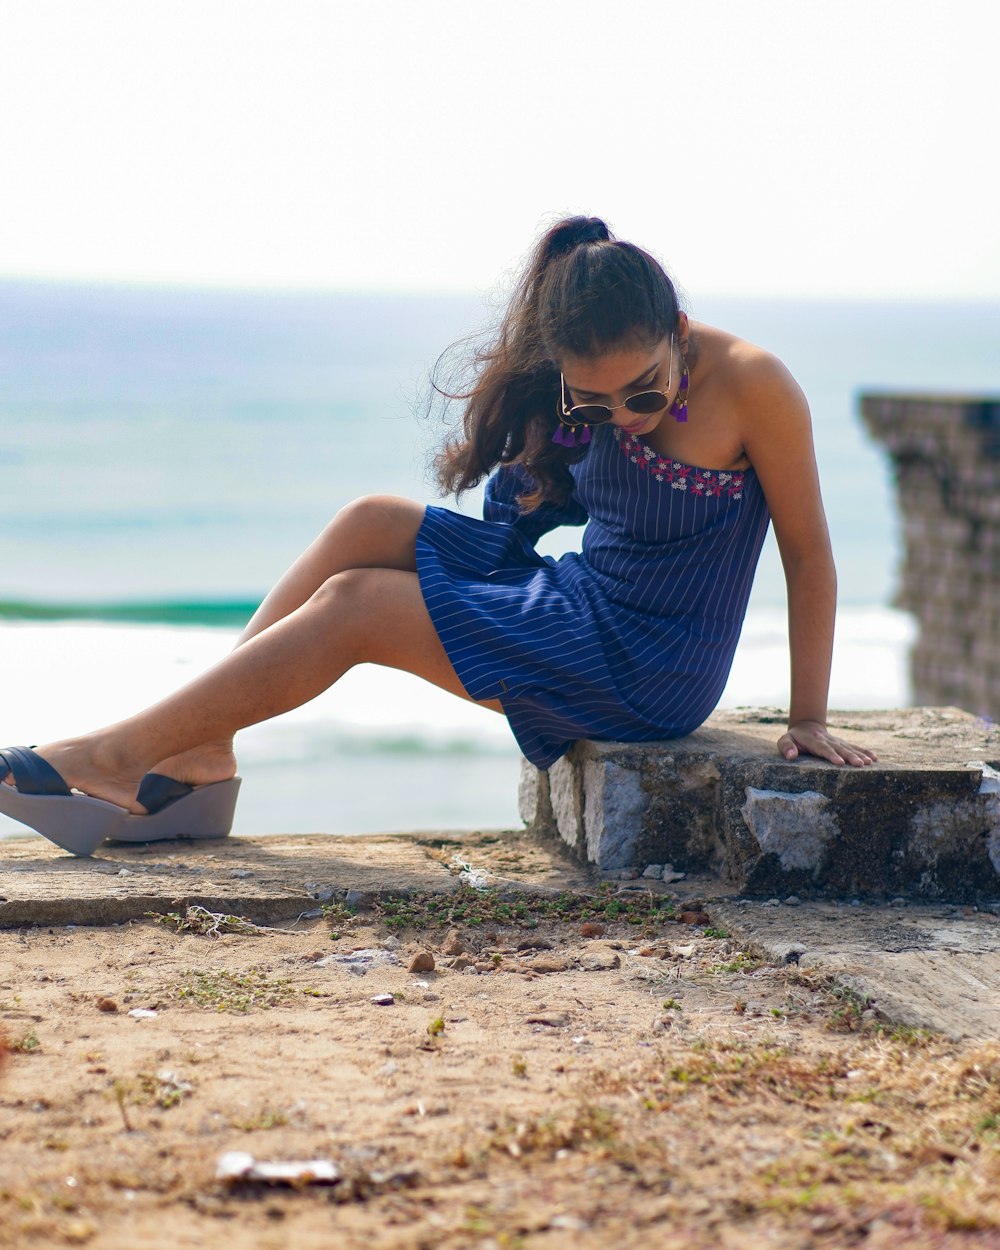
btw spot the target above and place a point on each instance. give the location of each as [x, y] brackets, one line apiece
[210, 762]
[93, 768]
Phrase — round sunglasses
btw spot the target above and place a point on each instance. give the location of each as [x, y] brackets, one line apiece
[643, 403]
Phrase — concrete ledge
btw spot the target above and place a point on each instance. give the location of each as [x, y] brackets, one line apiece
[268, 880]
[924, 821]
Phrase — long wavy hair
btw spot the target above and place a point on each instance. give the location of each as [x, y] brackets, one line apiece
[582, 293]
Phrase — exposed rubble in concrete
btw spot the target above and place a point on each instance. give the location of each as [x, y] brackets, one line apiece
[923, 821]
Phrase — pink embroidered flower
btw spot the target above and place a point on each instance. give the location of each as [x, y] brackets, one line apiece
[706, 483]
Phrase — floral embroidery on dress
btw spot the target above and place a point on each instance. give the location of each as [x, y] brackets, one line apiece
[684, 477]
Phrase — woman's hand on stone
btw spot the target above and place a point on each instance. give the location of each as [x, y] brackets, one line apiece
[811, 737]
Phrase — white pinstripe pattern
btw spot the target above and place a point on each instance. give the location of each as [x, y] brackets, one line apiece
[632, 640]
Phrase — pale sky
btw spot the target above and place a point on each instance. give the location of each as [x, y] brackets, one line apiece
[758, 147]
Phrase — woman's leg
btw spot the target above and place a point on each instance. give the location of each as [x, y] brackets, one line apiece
[374, 532]
[374, 615]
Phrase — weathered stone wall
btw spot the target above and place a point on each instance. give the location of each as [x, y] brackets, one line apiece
[924, 820]
[946, 455]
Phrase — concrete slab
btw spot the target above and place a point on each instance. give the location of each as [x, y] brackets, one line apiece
[267, 879]
[933, 967]
[927, 966]
[923, 821]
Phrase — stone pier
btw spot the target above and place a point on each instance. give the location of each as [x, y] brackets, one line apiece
[945, 453]
[924, 821]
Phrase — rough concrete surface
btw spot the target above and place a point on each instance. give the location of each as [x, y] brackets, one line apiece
[924, 820]
[265, 879]
[933, 967]
[927, 966]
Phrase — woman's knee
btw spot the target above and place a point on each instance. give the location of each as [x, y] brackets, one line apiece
[373, 514]
[361, 606]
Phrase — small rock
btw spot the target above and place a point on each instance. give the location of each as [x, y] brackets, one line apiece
[592, 929]
[793, 900]
[422, 961]
[360, 900]
[898, 902]
[600, 961]
[551, 1019]
[546, 963]
[453, 944]
[669, 874]
[484, 966]
[241, 873]
[388, 1068]
[461, 962]
[695, 917]
[622, 874]
[106, 1004]
[772, 902]
[534, 944]
[653, 872]
[313, 957]
[382, 1000]
[391, 943]
[124, 872]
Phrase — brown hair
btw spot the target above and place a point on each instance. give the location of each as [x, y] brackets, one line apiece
[582, 293]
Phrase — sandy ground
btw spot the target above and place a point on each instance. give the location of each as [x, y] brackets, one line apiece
[644, 1085]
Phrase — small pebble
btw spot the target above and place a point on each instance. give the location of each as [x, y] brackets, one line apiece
[793, 900]
[422, 961]
[124, 872]
[592, 929]
[898, 902]
[462, 962]
[452, 944]
[382, 1000]
[772, 902]
[241, 873]
[106, 1004]
[653, 872]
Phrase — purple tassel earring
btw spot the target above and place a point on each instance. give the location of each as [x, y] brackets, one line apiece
[567, 436]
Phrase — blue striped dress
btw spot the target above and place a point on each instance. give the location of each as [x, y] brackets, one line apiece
[630, 640]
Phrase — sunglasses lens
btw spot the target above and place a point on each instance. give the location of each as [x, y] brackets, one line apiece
[648, 401]
[591, 414]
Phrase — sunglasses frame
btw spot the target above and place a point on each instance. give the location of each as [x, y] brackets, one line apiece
[565, 413]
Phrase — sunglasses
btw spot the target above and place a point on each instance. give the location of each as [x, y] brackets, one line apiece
[643, 403]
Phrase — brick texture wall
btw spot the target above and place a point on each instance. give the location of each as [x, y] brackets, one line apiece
[945, 453]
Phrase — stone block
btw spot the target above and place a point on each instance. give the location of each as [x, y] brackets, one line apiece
[614, 806]
[923, 821]
[566, 797]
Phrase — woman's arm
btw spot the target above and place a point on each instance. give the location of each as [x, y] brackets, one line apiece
[778, 441]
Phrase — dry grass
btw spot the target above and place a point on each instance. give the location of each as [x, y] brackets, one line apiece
[694, 1100]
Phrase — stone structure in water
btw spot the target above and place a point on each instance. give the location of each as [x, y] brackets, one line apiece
[945, 453]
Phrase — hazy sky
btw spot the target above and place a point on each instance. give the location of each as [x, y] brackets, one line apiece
[757, 146]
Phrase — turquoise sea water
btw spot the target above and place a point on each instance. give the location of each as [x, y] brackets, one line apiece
[166, 454]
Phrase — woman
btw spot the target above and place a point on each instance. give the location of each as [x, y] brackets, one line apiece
[596, 402]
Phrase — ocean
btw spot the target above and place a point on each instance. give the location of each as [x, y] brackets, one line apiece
[168, 452]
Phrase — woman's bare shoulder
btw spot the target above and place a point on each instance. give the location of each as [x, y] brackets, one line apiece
[749, 373]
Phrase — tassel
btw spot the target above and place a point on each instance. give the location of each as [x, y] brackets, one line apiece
[566, 435]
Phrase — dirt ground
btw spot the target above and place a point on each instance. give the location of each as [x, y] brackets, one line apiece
[642, 1082]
